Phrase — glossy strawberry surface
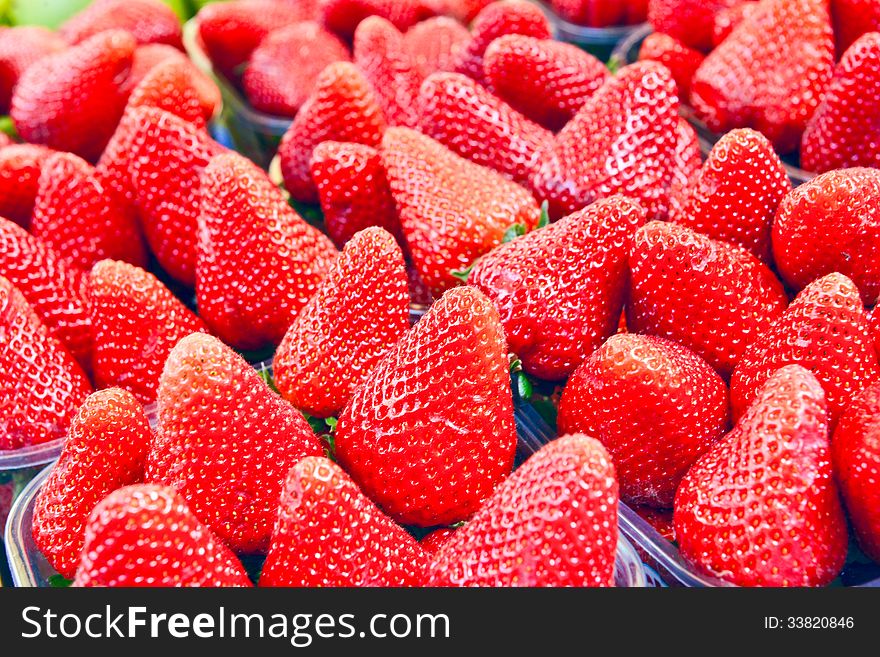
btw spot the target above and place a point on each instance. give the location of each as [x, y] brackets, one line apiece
[150, 55]
[19, 48]
[689, 21]
[105, 449]
[852, 19]
[344, 16]
[328, 533]
[20, 166]
[681, 60]
[433, 541]
[601, 13]
[687, 160]
[171, 86]
[430, 433]
[761, 507]
[552, 523]
[435, 44]
[655, 406]
[148, 21]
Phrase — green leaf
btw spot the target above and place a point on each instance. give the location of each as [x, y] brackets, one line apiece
[515, 364]
[331, 423]
[7, 125]
[330, 445]
[614, 65]
[514, 231]
[545, 214]
[59, 582]
[462, 274]
[523, 385]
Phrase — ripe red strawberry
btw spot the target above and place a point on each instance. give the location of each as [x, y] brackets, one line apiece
[681, 61]
[687, 160]
[556, 311]
[390, 68]
[283, 69]
[328, 533]
[342, 107]
[472, 122]
[496, 20]
[148, 21]
[280, 260]
[552, 523]
[40, 383]
[714, 298]
[845, 130]
[164, 163]
[735, 195]
[451, 210]
[20, 166]
[170, 86]
[71, 100]
[75, 214]
[136, 321]
[619, 142]
[852, 19]
[436, 44]
[688, 21]
[546, 80]
[145, 535]
[726, 20]
[230, 31]
[874, 322]
[432, 543]
[52, 286]
[19, 48]
[654, 405]
[601, 13]
[225, 441]
[831, 224]
[770, 73]
[856, 455]
[115, 166]
[105, 449]
[825, 329]
[761, 508]
[353, 190]
[466, 10]
[359, 312]
[344, 16]
[430, 432]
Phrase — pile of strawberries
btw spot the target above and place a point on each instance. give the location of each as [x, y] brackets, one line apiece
[706, 325]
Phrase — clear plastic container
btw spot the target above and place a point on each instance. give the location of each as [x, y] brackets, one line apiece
[598, 41]
[627, 52]
[29, 567]
[239, 126]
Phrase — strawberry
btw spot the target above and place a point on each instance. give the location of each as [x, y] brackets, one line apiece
[148, 21]
[358, 313]
[432, 542]
[20, 166]
[852, 19]
[466, 10]
[75, 214]
[760, 508]
[472, 122]
[435, 44]
[770, 73]
[136, 321]
[230, 31]
[601, 13]
[145, 535]
[71, 100]
[170, 86]
[342, 107]
[654, 405]
[328, 533]
[661, 520]
[681, 61]
[619, 142]
[845, 130]
[164, 163]
[225, 441]
[552, 523]
[344, 16]
[451, 210]
[688, 21]
[19, 48]
[687, 160]
[855, 453]
[726, 20]
[496, 20]
[546, 80]
[874, 321]
[554, 310]
[283, 69]
[831, 224]
[353, 190]
[40, 383]
[105, 449]
[430, 432]
[825, 330]
[390, 68]
[714, 298]
[279, 259]
[735, 195]
[52, 285]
